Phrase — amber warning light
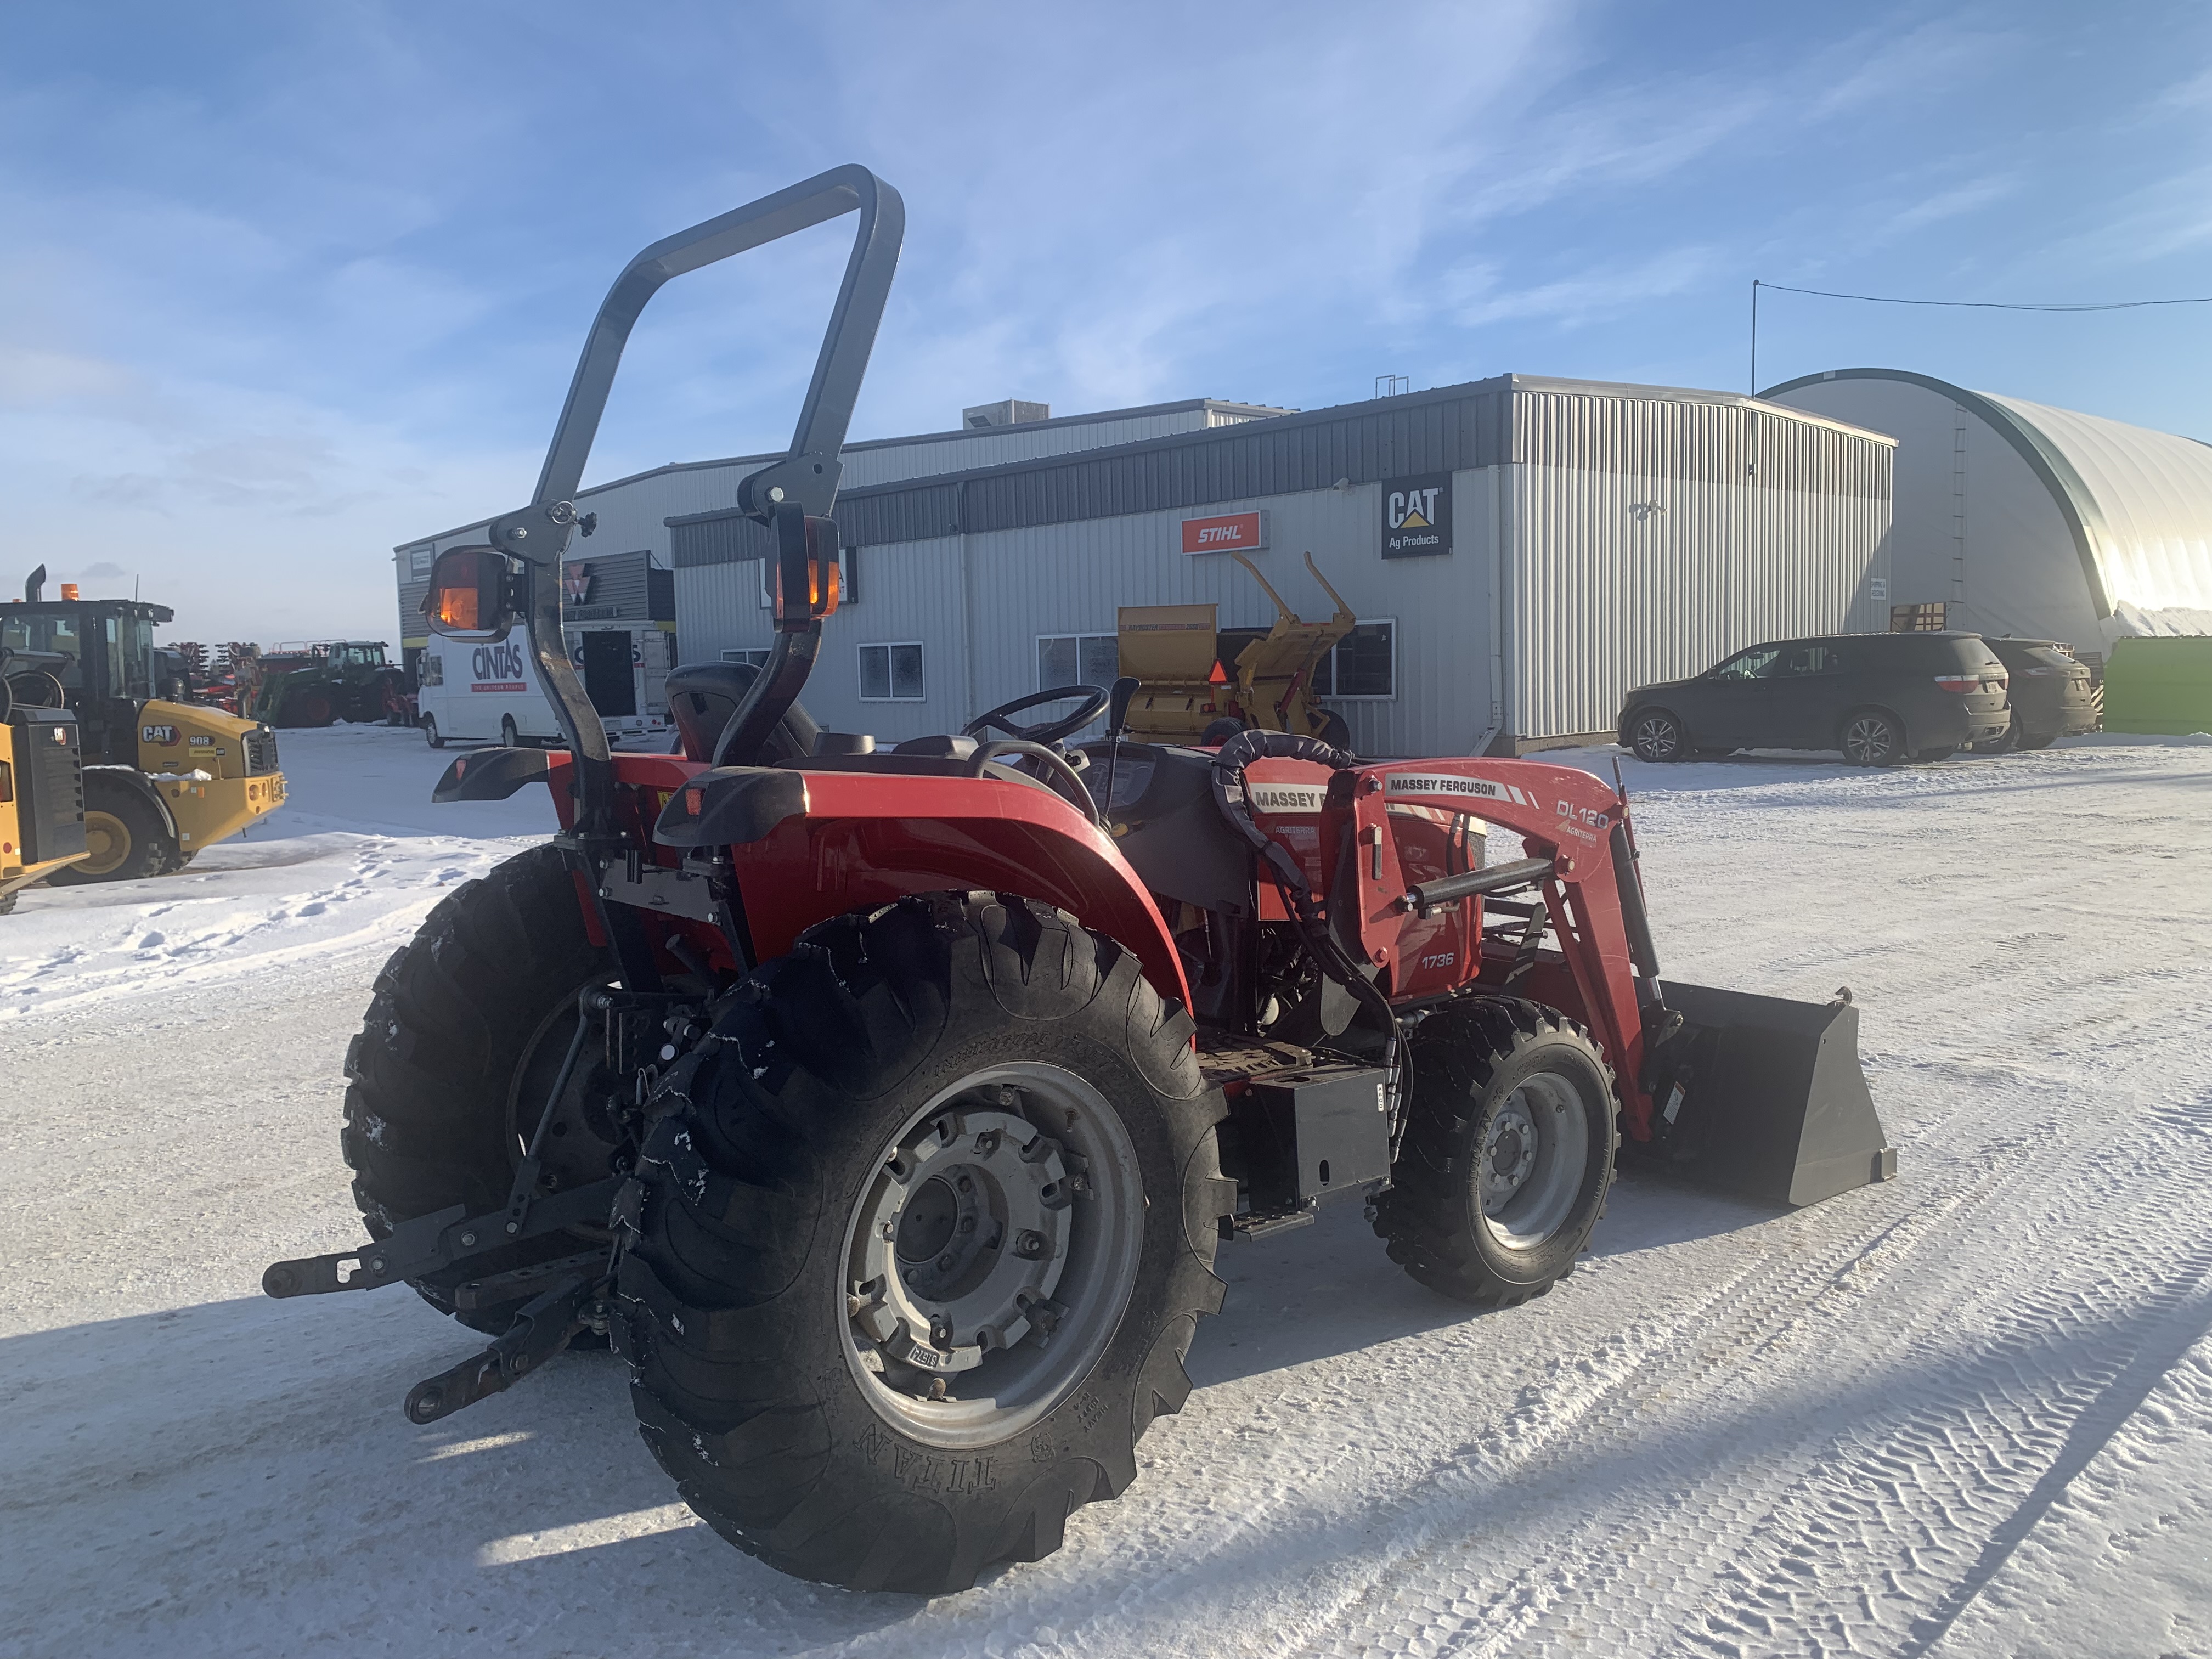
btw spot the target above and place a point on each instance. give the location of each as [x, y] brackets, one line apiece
[68, 590]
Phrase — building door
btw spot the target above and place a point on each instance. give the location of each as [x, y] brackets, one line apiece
[610, 679]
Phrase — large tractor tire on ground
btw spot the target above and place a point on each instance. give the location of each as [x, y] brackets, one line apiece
[918, 1251]
[466, 1032]
[1507, 1155]
[124, 832]
[308, 707]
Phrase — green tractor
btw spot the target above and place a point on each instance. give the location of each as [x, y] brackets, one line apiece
[316, 682]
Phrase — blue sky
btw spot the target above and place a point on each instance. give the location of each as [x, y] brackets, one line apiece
[282, 285]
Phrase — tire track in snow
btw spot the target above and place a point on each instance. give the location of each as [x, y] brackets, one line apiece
[1777, 1551]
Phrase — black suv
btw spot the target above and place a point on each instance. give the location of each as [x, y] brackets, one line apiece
[2052, 695]
[1878, 697]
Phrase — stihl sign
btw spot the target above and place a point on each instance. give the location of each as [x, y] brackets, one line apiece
[1232, 533]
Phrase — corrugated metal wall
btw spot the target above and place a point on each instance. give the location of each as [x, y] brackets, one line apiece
[633, 512]
[1650, 538]
[1453, 428]
[1071, 578]
[911, 594]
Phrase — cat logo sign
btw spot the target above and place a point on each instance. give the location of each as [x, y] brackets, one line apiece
[1417, 516]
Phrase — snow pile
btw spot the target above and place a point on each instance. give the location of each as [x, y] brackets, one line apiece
[1968, 1413]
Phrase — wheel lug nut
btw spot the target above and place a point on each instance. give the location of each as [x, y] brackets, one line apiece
[945, 1262]
[967, 1224]
[1030, 1244]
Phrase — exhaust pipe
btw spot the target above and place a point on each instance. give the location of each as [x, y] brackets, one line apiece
[1766, 1097]
[34, 585]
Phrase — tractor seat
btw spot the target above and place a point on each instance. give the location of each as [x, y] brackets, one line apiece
[702, 697]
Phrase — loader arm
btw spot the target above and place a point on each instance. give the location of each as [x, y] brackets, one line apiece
[1756, 1094]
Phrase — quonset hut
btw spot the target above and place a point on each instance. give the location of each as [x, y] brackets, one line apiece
[2039, 522]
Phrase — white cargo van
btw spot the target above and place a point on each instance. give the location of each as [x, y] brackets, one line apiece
[491, 693]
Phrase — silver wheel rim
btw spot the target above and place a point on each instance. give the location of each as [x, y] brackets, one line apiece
[430, 730]
[1533, 1155]
[1868, 739]
[990, 1254]
[1655, 737]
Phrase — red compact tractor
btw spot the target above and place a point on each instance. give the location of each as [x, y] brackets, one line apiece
[885, 1107]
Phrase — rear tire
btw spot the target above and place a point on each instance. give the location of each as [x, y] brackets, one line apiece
[1872, 737]
[1942, 752]
[464, 1033]
[510, 735]
[1507, 1155]
[128, 839]
[1656, 735]
[2003, 744]
[770, 1287]
[1336, 731]
[2037, 739]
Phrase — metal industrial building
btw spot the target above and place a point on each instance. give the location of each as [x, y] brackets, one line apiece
[1586, 537]
[1589, 537]
[2038, 522]
[632, 513]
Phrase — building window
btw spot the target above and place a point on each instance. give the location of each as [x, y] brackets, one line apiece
[420, 559]
[890, 673]
[1364, 664]
[434, 670]
[1078, 659]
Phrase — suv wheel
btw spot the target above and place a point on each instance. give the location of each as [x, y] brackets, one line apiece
[1656, 735]
[1872, 737]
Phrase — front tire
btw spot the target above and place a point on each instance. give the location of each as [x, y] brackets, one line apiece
[1656, 735]
[1507, 1155]
[309, 708]
[899, 1411]
[126, 836]
[431, 734]
[2033, 741]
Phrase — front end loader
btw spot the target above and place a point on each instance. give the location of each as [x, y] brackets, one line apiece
[41, 792]
[885, 1107]
[163, 781]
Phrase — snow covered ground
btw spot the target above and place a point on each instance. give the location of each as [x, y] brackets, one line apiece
[1968, 1413]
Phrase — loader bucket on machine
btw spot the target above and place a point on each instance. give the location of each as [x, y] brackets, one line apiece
[1773, 1104]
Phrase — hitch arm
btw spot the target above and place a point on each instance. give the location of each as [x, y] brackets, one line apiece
[541, 1330]
[432, 1243]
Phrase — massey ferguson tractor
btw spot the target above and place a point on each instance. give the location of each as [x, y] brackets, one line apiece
[885, 1107]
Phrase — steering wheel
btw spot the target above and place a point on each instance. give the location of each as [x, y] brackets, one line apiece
[1094, 704]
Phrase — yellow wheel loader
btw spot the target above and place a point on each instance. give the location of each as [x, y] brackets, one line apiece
[41, 794]
[1178, 653]
[162, 781]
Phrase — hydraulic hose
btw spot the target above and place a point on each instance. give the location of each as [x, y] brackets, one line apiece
[1330, 957]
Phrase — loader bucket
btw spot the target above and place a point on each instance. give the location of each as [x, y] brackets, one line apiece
[1773, 1104]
